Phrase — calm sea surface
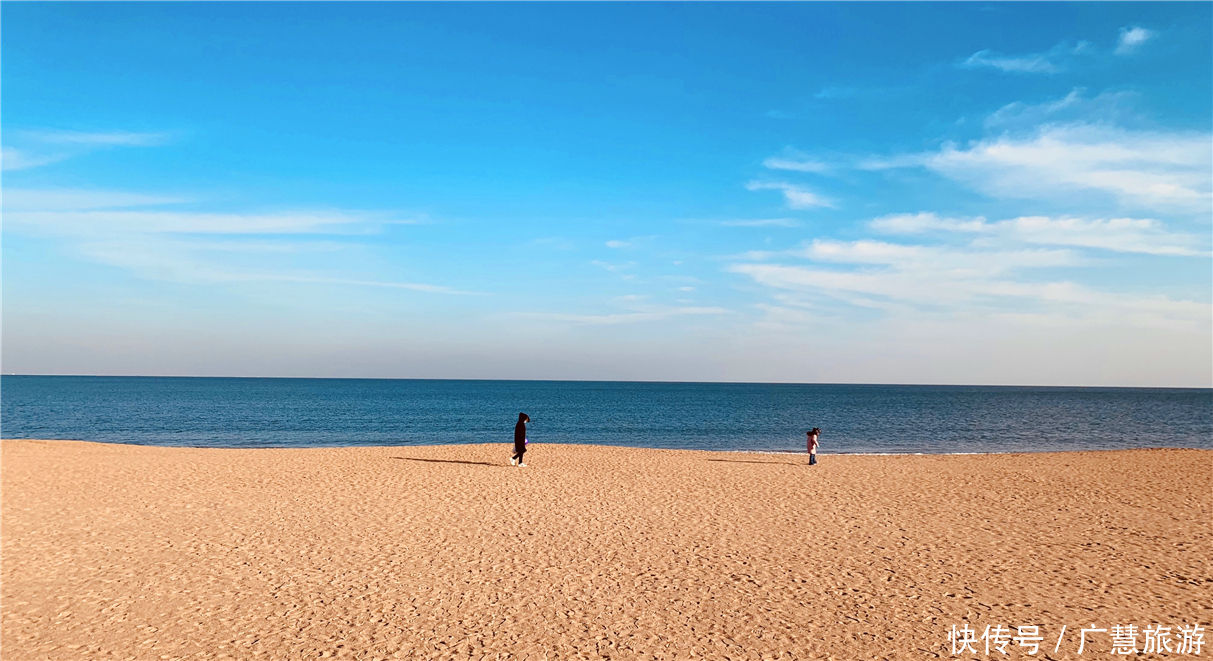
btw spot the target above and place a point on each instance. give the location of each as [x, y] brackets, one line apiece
[221, 412]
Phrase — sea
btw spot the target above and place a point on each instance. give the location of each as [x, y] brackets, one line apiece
[279, 412]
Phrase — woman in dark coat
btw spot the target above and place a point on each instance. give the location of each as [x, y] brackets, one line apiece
[520, 440]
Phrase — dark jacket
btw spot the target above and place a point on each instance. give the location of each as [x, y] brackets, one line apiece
[520, 432]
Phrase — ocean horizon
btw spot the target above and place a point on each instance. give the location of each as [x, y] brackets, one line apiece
[251, 412]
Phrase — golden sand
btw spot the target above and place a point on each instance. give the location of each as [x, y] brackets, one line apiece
[447, 552]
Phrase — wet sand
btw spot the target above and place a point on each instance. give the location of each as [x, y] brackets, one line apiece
[447, 552]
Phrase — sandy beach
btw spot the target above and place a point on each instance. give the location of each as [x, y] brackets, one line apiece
[447, 552]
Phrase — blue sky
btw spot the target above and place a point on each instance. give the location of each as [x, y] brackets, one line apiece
[904, 193]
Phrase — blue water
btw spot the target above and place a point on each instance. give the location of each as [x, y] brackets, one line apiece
[222, 412]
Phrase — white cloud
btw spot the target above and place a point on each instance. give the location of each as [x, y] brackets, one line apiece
[888, 276]
[835, 92]
[613, 268]
[896, 281]
[796, 197]
[264, 246]
[796, 161]
[760, 255]
[46, 147]
[24, 199]
[413, 286]
[961, 262]
[102, 139]
[1037, 63]
[883, 285]
[1107, 108]
[1054, 60]
[101, 213]
[1097, 180]
[632, 242]
[175, 260]
[1129, 235]
[905, 223]
[956, 262]
[117, 228]
[761, 222]
[109, 222]
[16, 159]
[1073, 153]
[655, 314]
[996, 271]
[1142, 169]
[1132, 38]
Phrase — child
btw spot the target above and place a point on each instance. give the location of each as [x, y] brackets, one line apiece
[520, 440]
[813, 433]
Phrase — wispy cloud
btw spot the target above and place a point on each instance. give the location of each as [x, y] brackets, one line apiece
[1076, 152]
[262, 245]
[654, 314]
[613, 268]
[866, 92]
[1131, 38]
[796, 161]
[17, 159]
[65, 199]
[761, 222]
[940, 280]
[103, 139]
[171, 259]
[116, 221]
[146, 235]
[961, 262]
[1128, 235]
[1049, 152]
[1038, 63]
[1052, 61]
[632, 242]
[412, 286]
[977, 268]
[36, 148]
[795, 196]
[1105, 109]
[925, 221]
[1141, 169]
[84, 212]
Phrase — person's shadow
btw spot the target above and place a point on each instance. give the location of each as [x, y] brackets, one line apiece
[750, 461]
[447, 461]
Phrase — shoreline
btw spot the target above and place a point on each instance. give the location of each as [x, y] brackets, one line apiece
[446, 551]
[605, 445]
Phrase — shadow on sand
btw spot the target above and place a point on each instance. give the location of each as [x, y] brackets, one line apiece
[447, 461]
[750, 461]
